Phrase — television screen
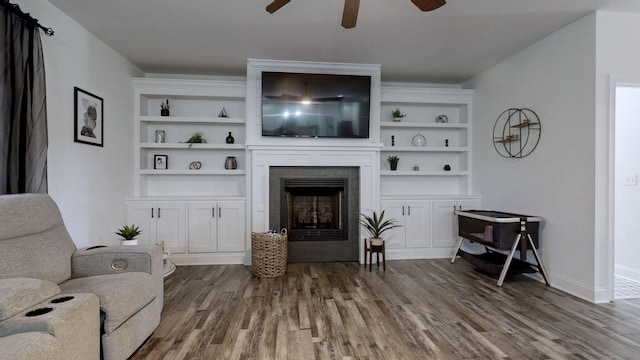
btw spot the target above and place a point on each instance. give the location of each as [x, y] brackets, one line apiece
[315, 105]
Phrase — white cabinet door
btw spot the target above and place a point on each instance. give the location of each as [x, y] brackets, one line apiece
[445, 222]
[394, 238]
[140, 214]
[231, 226]
[418, 223]
[171, 225]
[160, 221]
[203, 227]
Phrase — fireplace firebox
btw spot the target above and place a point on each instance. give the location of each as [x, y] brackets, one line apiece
[314, 209]
[319, 206]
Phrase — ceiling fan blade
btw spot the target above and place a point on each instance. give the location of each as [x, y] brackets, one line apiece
[276, 5]
[428, 5]
[350, 13]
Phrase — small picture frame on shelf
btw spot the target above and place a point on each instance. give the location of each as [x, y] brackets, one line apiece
[160, 162]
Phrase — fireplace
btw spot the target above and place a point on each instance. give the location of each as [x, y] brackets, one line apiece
[314, 209]
[320, 207]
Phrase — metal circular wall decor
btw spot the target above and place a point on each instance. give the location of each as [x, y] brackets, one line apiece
[516, 133]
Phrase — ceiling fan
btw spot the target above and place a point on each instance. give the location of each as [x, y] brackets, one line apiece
[350, 12]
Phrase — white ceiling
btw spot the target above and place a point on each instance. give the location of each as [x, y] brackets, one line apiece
[216, 37]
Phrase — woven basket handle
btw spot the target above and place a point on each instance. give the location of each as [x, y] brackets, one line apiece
[283, 231]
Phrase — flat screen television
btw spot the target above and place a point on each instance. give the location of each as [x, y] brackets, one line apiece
[315, 105]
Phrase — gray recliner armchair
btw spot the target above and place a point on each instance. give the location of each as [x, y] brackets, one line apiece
[40, 262]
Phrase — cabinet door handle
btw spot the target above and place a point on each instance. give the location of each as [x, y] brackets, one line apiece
[402, 210]
[158, 213]
[213, 212]
[219, 212]
[409, 210]
[152, 213]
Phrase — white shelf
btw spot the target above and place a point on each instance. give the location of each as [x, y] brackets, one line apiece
[420, 125]
[422, 173]
[184, 146]
[424, 149]
[192, 172]
[191, 120]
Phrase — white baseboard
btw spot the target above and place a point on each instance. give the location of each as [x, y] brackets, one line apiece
[208, 259]
[581, 290]
[418, 253]
[627, 272]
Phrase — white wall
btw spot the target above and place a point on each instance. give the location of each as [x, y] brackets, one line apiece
[555, 78]
[89, 183]
[627, 198]
[618, 56]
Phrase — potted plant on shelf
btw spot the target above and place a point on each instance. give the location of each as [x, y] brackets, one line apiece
[128, 234]
[393, 161]
[164, 107]
[196, 138]
[376, 225]
[397, 114]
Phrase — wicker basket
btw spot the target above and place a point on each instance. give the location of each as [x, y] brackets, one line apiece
[269, 253]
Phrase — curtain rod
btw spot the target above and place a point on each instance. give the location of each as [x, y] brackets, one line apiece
[14, 8]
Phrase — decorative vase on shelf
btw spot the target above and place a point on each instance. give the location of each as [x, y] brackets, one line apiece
[231, 163]
[230, 139]
[164, 107]
[160, 136]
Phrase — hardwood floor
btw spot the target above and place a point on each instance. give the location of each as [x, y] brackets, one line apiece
[417, 309]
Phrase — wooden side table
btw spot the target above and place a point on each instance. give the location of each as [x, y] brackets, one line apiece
[369, 249]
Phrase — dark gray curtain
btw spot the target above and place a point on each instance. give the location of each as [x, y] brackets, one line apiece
[23, 113]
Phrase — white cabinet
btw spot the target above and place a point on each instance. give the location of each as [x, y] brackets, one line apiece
[415, 218]
[159, 221]
[435, 133]
[216, 226]
[216, 109]
[445, 225]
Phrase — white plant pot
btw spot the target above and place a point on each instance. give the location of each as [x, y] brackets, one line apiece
[129, 242]
[376, 241]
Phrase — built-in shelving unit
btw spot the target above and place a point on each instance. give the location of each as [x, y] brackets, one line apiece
[421, 169]
[195, 107]
[199, 211]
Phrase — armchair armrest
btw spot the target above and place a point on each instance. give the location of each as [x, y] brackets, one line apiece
[116, 259]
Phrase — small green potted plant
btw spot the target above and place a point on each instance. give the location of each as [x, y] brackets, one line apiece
[393, 162]
[397, 114]
[128, 234]
[196, 138]
[164, 107]
[376, 226]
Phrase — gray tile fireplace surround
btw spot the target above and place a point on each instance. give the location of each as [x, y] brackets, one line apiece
[319, 250]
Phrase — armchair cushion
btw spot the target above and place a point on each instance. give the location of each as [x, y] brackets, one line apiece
[33, 240]
[121, 295]
[19, 294]
[31, 345]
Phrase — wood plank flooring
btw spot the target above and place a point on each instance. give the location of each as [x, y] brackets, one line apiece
[417, 309]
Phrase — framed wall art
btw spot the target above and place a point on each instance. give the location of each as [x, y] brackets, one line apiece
[89, 118]
[160, 162]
